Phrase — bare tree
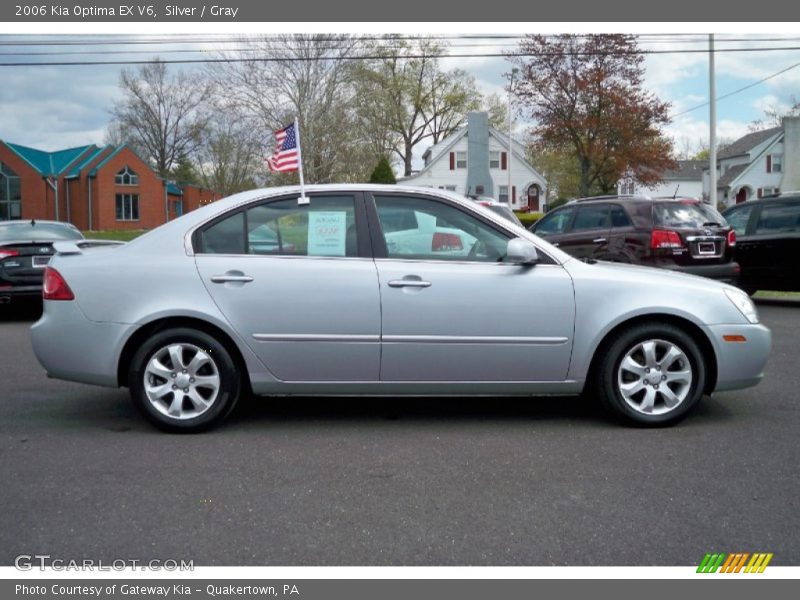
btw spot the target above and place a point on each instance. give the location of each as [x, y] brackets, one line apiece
[773, 115]
[230, 156]
[420, 101]
[161, 114]
[304, 76]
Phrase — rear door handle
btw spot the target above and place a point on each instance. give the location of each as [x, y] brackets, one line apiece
[417, 283]
[599, 241]
[231, 278]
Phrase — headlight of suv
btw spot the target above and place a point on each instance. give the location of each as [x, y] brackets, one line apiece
[742, 302]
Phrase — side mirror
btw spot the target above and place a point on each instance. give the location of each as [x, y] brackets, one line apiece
[521, 252]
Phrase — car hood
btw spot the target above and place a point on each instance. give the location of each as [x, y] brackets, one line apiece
[639, 275]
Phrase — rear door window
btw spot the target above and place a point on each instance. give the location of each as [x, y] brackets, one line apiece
[619, 218]
[592, 217]
[778, 218]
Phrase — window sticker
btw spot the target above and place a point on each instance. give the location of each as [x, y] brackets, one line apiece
[327, 233]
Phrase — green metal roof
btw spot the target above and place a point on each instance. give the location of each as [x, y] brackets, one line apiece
[76, 171]
[174, 189]
[102, 163]
[48, 163]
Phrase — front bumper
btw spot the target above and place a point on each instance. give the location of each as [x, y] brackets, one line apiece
[71, 347]
[740, 364]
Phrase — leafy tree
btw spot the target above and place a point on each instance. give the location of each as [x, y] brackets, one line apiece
[162, 115]
[586, 97]
[383, 172]
[497, 107]
[185, 172]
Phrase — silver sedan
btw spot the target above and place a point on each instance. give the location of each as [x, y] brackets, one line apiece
[382, 290]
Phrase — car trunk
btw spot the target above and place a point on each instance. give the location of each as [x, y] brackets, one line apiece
[702, 233]
[26, 266]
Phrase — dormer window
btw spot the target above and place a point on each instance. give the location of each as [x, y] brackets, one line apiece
[127, 177]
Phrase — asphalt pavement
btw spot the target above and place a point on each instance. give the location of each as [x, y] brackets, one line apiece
[377, 481]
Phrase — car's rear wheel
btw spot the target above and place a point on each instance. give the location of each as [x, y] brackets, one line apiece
[184, 380]
[651, 374]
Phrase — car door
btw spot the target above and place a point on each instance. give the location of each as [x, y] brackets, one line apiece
[298, 283]
[746, 250]
[588, 235]
[776, 240]
[460, 313]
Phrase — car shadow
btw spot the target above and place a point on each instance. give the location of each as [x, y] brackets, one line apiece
[428, 409]
[20, 311]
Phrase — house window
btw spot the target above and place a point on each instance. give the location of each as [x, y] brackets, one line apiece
[126, 177]
[494, 159]
[502, 194]
[777, 163]
[768, 191]
[127, 207]
[10, 195]
[461, 160]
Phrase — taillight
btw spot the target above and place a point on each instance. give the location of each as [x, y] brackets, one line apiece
[55, 288]
[7, 253]
[731, 238]
[665, 239]
[446, 241]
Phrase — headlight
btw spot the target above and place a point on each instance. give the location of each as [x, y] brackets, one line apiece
[742, 301]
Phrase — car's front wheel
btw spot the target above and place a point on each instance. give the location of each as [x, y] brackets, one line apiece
[184, 380]
[651, 374]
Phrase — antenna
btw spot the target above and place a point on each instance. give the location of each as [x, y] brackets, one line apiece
[675, 195]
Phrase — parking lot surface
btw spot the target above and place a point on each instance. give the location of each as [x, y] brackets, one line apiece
[390, 481]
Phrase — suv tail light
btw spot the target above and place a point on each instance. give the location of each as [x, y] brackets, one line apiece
[55, 288]
[661, 238]
[446, 241]
[731, 238]
[8, 253]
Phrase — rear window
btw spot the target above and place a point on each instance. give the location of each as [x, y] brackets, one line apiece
[24, 231]
[686, 215]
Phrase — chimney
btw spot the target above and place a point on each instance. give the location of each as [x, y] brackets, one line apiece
[791, 154]
[478, 175]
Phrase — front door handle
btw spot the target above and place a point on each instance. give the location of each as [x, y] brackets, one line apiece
[231, 278]
[417, 283]
[599, 241]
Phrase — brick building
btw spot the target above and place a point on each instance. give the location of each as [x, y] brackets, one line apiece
[92, 187]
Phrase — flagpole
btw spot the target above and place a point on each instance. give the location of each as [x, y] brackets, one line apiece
[302, 199]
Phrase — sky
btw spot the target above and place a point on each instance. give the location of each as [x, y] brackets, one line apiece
[53, 107]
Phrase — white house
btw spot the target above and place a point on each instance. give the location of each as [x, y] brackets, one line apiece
[475, 160]
[685, 180]
[759, 164]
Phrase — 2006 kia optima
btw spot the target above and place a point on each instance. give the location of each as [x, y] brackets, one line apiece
[379, 290]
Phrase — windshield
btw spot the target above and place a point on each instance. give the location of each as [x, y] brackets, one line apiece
[687, 215]
[23, 230]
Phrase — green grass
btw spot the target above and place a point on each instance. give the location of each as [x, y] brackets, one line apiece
[771, 294]
[120, 236]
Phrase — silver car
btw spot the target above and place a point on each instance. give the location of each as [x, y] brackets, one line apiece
[198, 313]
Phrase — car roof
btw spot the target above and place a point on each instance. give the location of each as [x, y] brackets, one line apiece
[634, 198]
[34, 223]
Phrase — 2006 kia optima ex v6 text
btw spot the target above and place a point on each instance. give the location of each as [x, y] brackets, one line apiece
[382, 291]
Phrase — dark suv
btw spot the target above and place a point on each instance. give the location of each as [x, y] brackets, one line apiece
[680, 234]
[768, 231]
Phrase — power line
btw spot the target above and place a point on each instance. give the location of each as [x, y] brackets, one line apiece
[384, 56]
[737, 91]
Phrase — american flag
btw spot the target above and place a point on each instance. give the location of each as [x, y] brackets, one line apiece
[286, 156]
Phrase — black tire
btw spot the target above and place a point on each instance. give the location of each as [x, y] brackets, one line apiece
[607, 375]
[222, 366]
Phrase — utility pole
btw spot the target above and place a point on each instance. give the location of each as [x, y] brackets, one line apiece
[511, 199]
[712, 148]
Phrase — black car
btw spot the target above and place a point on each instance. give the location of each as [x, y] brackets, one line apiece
[25, 250]
[768, 242]
[680, 234]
